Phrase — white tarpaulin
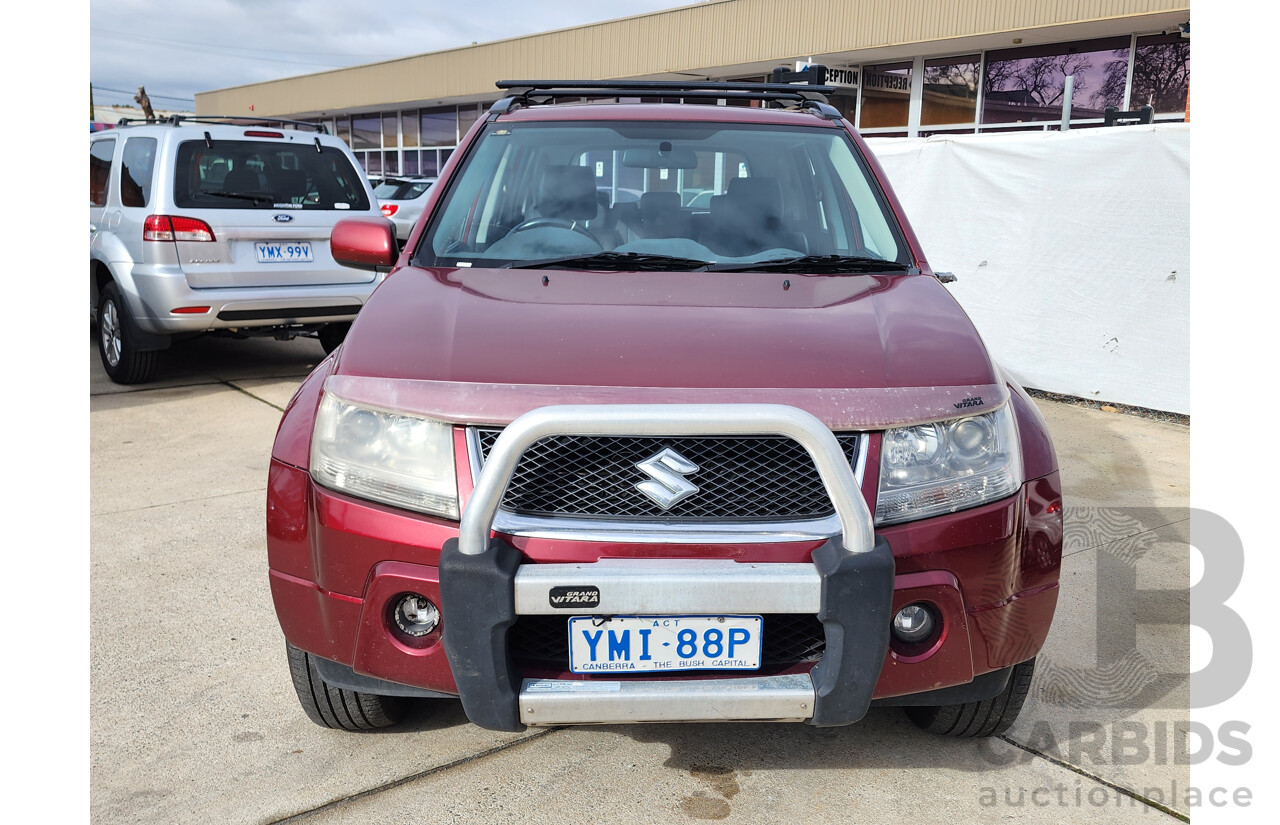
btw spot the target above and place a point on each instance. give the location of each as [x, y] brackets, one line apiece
[1072, 251]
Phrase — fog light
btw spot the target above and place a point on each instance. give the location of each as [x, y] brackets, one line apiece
[416, 615]
[913, 623]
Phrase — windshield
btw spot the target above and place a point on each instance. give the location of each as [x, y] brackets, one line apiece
[401, 190]
[704, 193]
[232, 174]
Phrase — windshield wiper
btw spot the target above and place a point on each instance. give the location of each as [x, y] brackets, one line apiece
[616, 261]
[816, 263]
[256, 199]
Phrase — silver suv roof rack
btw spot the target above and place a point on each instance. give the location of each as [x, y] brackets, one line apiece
[225, 120]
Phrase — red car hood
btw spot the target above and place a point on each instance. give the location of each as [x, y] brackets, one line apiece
[660, 329]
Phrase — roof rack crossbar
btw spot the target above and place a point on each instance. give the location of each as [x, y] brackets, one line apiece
[535, 92]
[229, 120]
[656, 84]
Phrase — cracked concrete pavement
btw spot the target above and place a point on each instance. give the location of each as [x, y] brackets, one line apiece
[193, 718]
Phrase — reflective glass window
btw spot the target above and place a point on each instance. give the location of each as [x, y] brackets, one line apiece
[1024, 85]
[950, 90]
[1161, 73]
[467, 115]
[430, 163]
[439, 127]
[366, 132]
[409, 128]
[886, 95]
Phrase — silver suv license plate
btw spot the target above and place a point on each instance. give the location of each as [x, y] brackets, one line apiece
[639, 644]
[278, 253]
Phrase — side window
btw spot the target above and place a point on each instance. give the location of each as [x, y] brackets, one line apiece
[136, 166]
[100, 152]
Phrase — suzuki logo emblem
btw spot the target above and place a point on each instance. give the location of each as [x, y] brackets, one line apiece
[667, 471]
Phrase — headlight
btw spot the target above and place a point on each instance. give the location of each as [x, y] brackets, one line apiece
[933, 469]
[397, 459]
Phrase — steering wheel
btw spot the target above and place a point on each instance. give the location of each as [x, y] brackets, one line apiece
[538, 223]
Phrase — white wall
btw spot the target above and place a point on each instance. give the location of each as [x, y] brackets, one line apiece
[1072, 251]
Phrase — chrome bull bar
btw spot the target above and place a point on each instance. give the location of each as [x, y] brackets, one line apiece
[848, 586]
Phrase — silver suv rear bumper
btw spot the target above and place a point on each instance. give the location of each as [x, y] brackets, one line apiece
[157, 290]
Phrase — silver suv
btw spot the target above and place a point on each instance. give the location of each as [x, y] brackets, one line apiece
[402, 201]
[201, 225]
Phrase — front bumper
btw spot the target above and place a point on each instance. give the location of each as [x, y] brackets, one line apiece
[849, 592]
[339, 565]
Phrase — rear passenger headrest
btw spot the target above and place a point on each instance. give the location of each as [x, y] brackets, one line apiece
[568, 193]
[761, 192]
[655, 203]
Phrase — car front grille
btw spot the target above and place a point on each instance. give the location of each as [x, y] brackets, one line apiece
[739, 479]
[543, 641]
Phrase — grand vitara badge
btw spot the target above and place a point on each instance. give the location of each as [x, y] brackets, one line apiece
[283, 217]
[667, 484]
[574, 597]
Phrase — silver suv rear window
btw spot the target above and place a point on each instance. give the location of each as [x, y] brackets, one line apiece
[256, 174]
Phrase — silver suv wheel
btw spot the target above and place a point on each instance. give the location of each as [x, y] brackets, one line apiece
[109, 329]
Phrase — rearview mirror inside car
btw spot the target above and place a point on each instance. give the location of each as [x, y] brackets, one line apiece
[659, 159]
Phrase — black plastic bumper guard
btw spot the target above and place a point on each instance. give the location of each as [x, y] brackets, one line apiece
[478, 599]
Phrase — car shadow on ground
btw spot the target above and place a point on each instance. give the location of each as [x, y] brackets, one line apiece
[213, 359]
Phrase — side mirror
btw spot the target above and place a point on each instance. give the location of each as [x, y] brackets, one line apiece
[364, 243]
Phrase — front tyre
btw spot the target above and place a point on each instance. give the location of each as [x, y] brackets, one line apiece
[122, 360]
[990, 717]
[334, 707]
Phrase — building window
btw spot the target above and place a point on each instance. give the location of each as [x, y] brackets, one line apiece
[467, 115]
[1161, 73]
[390, 130]
[886, 95]
[430, 163]
[366, 132]
[1027, 85]
[391, 162]
[344, 130]
[411, 160]
[950, 90]
[409, 127]
[439, 127]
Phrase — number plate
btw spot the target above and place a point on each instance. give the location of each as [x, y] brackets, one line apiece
[280, 253]
[639, 644]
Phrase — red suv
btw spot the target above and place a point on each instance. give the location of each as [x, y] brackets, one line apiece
[661, 415]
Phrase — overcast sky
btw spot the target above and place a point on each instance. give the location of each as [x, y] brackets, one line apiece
[178, 49]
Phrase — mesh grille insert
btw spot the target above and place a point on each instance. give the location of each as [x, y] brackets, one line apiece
[752, 478]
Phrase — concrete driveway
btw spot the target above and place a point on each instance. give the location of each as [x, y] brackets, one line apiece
[194, 719]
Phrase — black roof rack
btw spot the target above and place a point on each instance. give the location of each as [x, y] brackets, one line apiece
[226, 120]
[536, 92]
